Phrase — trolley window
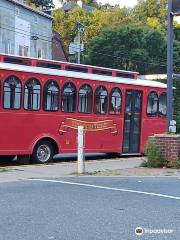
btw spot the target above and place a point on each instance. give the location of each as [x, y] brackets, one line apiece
[115, 101]
[12, 93]
[102, 72]
[15, 60]
[152, 104]
[51, 96]
[48, 65]
[125, 75]
[32, 94]
[69, 98]
[85, 99]
[76, 69]
[163, 104]
[100, 98]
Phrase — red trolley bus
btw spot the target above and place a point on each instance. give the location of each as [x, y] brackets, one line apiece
[42, 103]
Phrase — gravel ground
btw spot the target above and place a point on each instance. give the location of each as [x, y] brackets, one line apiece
[139, 171]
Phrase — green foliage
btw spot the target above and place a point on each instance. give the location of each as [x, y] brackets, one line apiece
[152, 13]
[178, 164]
[153, 156]
[130, 48]
[43, 4]
[66, 23]
[140, 46]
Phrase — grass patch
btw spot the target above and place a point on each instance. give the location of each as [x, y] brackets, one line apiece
[3, 170]
[154, 159]
[178, 164]
[99, 173]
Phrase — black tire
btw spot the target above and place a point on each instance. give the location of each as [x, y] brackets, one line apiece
[112, 155]
[23, 159]
[43, 152]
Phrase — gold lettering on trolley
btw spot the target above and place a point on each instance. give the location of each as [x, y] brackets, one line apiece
[88, 126]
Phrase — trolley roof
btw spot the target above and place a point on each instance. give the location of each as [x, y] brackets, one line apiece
[79, 75]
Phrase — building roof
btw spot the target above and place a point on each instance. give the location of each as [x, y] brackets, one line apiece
[78, 75]
[69, 6]
[58, 51]
[16, 2]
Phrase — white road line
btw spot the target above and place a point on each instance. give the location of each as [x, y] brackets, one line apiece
[103, 187]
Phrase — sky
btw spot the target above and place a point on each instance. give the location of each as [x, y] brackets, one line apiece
[122, 3]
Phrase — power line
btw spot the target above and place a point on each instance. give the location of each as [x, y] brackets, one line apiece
[29, 35]
[21, 30]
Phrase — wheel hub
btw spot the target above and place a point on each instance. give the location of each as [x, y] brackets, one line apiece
[43, 153]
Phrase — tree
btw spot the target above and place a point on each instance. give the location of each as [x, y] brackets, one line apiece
[66, 23]
[43, 4]
[152, 13]
[130, 48]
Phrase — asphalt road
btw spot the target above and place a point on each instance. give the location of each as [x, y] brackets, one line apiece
[93, 208]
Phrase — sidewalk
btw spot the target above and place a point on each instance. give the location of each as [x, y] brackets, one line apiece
[103, 167]
[63, 169]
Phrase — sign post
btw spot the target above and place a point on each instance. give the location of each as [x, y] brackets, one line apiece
[81, 163]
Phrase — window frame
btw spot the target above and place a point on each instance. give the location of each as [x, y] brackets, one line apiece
[87, 97]
[110, 96]
[45, 95]
[21, 93]
[157, 112]
[75, 106]
[40, 102]
[94, 104]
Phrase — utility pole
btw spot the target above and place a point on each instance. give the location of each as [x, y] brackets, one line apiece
[169, 65]
[80, 27]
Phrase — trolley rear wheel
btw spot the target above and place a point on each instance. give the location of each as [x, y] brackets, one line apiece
[43, 152]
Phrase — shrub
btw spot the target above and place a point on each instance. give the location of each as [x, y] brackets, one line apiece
[153, 156]
[178, 164]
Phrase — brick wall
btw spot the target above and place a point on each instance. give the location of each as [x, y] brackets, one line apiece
[169, 146]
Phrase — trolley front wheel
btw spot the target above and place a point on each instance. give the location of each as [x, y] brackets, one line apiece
[43, 152]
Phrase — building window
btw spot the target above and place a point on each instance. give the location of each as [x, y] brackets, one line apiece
[69, 98]
[32, 94]
[51, 96]
[163, 104]
[35, 18]
[23, 51]
[8, 48]
[16, 11]
[100, 98]
[152, 104]
[12, 93]
[6, 41]
[115, 101]
[85, 99]
[40, 53]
